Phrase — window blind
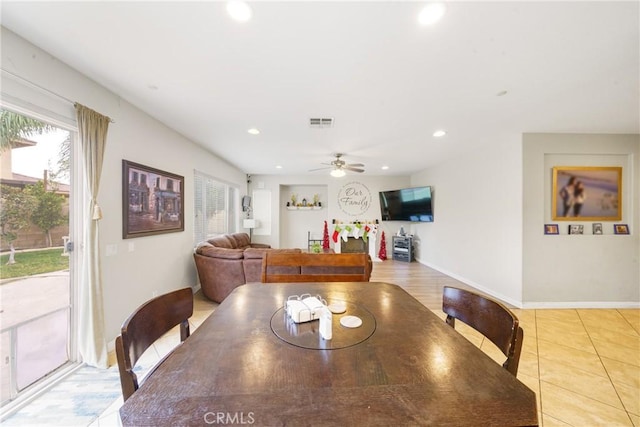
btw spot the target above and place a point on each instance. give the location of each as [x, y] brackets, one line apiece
[215, 207]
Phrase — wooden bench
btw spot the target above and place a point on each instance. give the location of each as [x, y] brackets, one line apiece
[310, 267]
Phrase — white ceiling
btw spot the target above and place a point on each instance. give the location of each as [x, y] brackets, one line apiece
[388, 82]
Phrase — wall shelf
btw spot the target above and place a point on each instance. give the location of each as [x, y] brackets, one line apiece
[304, 208]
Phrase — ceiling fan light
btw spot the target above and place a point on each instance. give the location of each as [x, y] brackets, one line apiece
[337, 173]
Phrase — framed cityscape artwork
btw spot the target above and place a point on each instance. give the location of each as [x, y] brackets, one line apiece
[152, 201]
[587, 193]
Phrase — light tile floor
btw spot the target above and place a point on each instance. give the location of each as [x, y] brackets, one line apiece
[201, 310]
[584, 365]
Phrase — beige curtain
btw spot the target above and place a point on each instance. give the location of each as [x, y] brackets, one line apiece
[92, 343]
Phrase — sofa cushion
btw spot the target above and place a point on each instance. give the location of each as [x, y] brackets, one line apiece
[215, 252]
[219, 276]
[223, 242]
[241, 240]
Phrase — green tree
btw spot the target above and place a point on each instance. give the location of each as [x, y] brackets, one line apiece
[64, 160]
[47, 213]
[16, 206]
[14, 126]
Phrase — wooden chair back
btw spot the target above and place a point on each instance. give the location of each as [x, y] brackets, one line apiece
[148, 323]
[310, 267]
[489, 317]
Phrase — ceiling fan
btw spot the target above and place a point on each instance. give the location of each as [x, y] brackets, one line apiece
[339, 166]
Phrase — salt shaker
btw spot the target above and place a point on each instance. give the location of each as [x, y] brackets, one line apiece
[326, 319]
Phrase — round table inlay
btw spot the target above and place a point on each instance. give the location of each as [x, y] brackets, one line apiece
[307, 334]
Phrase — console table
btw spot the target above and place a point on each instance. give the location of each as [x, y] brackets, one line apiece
[403, 248]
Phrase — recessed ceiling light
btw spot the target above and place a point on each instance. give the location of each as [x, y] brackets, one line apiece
[439, 133]
[385, 167]
[253, 131]
[239, 10]
[431, 13]
[278, 167]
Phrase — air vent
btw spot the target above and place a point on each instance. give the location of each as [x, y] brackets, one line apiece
[320, 123]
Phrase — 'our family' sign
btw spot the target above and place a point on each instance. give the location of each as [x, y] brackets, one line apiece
[354, 198]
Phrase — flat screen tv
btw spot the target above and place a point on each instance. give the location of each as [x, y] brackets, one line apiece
[407, 204]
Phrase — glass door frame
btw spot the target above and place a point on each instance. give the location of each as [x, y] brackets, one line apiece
[77, 201]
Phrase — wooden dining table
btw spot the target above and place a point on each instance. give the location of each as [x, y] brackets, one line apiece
[249, 364]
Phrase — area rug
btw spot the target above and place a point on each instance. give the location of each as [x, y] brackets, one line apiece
[78, 400]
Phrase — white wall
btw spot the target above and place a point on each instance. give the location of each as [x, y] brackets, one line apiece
[580, 270]
[481, 234]
[476, 234]
[281, 186]
[144, 265]
[295, 224]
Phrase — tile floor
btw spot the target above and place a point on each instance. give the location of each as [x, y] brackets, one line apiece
[583, 364]
[201, 310]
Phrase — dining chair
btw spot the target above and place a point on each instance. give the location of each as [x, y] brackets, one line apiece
[312, 267]
[489, 317]
[145, 326]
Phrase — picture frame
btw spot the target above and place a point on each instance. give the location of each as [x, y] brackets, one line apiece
[597, 228]
[620, 229]
[551, 229]
[587, 193]
[152, 201]
[576, 229]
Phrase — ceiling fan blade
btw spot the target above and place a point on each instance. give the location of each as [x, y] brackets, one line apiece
[357, 165]
[319, 169]
[349, 168]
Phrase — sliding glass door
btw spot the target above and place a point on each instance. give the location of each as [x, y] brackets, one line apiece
[37, 296]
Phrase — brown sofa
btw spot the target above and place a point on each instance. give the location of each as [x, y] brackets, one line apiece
[228, 261]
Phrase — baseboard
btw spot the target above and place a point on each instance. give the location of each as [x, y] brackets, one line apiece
[541, 304]
[581, 304]
[510, 301]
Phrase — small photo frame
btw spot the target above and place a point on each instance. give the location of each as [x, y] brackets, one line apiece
[597, 228]
[620, 229]
[576, 229]
[551, 229]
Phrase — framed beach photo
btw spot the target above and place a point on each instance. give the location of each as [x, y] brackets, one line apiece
[587, 193]
[551, 229]
[620, 228]
[152, 201]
